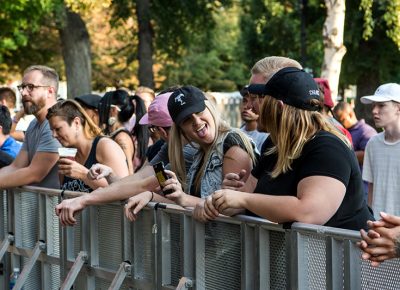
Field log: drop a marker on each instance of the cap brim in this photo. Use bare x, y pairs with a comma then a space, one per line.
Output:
200, 107
375, 99
144, 120
257, 89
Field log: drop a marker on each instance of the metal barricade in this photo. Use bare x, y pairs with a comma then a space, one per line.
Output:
167, 249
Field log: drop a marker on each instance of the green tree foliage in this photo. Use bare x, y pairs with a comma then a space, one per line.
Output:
369, 61
382, 12
272, 27
19, 18
210, 60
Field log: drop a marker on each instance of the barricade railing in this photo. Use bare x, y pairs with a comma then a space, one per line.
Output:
167, 249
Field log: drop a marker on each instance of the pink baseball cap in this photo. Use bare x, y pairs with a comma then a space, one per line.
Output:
157, 114
326, 90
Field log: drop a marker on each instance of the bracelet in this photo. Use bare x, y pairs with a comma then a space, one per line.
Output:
14, 120
152, 196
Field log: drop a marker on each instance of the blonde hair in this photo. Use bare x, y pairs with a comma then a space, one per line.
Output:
290, 129
269, 65
68, 110
178, 139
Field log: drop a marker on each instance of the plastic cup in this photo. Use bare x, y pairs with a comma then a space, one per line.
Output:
67, 153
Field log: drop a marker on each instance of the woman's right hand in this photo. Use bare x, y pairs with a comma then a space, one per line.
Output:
234, 181
177, 195
136, 203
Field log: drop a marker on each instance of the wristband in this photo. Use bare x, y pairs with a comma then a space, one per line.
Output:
152, 195
15, 120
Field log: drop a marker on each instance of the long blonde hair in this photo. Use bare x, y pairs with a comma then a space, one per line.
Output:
178, 138
290, 129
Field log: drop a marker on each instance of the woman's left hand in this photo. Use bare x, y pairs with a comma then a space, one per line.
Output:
226, 198
72, 168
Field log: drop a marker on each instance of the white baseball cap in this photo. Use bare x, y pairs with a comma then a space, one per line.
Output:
384, 93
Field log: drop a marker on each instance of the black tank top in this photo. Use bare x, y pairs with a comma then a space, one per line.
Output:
73, 184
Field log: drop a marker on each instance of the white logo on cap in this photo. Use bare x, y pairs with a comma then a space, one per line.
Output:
314, 92
178, 98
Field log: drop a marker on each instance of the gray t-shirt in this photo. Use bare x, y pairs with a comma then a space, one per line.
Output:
38, 138
188, 154
257, 136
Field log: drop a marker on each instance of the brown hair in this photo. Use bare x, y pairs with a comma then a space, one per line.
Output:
68, 110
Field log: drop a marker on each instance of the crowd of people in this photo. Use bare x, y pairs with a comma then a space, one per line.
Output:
297, 157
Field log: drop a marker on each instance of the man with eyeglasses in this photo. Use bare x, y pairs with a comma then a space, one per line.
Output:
36, 162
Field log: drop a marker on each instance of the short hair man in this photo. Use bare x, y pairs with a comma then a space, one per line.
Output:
36, 162
360, 131
9, 148
249, 118
381, 168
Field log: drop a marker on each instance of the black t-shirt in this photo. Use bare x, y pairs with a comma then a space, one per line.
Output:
324, 155
74, 184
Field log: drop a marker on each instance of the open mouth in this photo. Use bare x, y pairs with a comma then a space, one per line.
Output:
201, 128
202, 131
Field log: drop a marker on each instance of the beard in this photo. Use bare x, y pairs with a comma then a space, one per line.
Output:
33, 108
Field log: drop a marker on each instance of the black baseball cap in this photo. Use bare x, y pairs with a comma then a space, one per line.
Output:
185, 101
90, 100
292, 86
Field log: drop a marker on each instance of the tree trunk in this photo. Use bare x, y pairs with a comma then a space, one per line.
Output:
75, 45
334, 50
145, 51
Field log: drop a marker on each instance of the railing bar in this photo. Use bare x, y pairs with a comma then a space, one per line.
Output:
73, 273
123, 270
5, 244
40, 246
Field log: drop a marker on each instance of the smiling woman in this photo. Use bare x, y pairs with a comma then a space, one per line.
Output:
221, 149
73, 128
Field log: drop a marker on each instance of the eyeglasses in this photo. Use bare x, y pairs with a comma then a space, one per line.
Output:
29, 87
152, 129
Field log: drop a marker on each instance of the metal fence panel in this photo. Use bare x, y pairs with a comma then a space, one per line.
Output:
213, 254
222, 256
386, 276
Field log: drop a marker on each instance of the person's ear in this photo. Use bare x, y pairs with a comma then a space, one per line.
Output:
76, 121
163, 133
